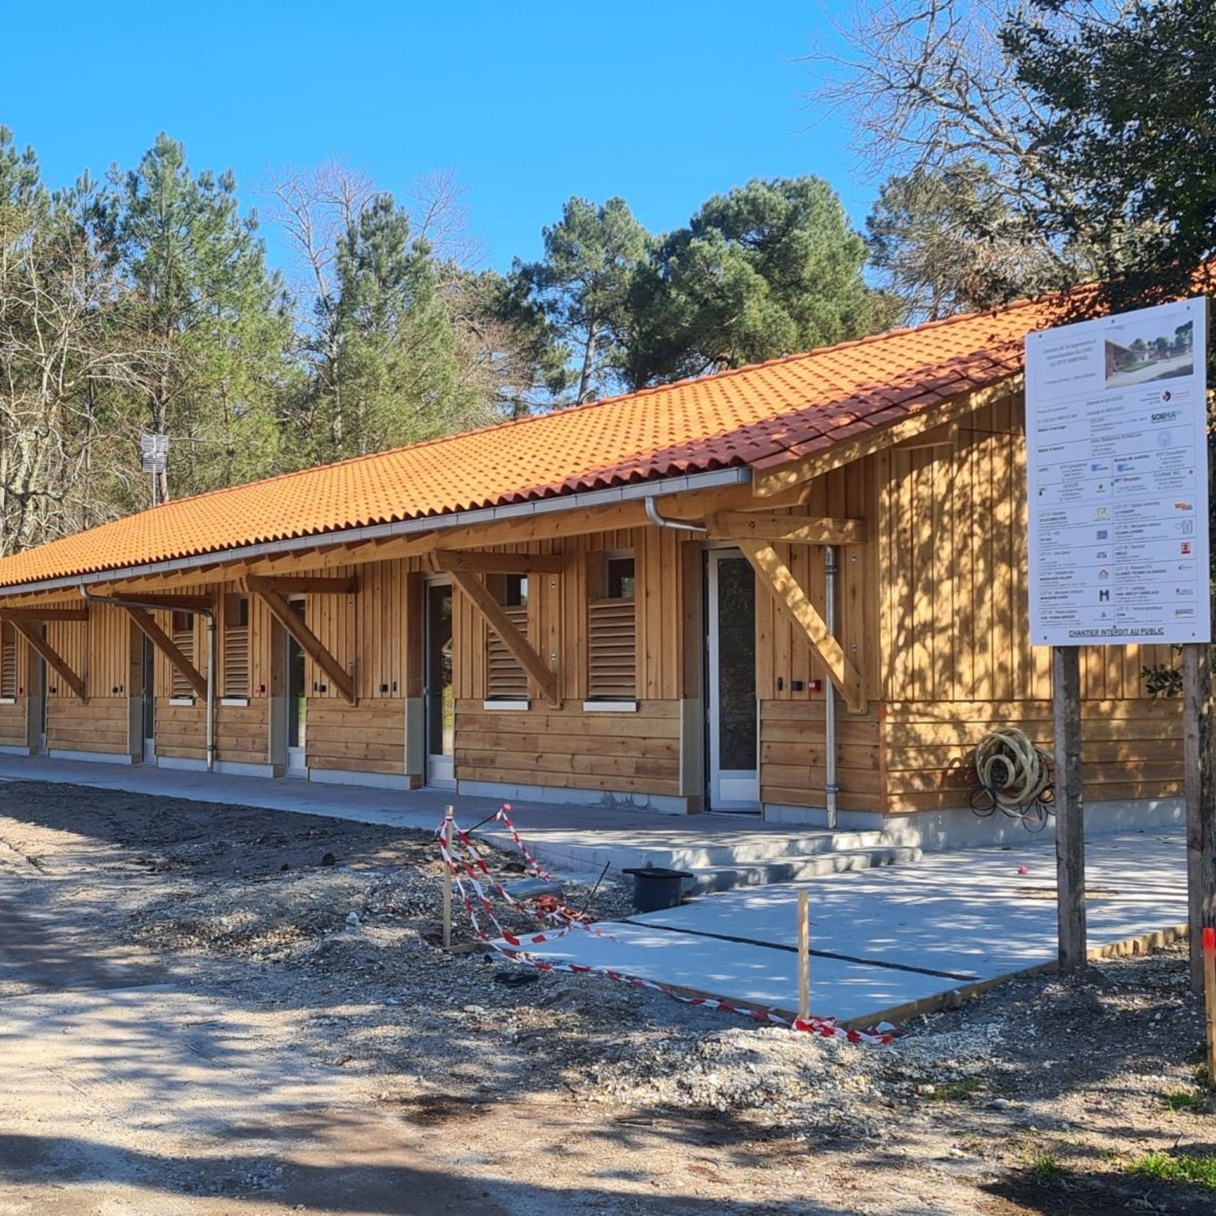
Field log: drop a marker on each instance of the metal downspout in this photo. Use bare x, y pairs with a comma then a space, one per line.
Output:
829, 705
659, 521
209, 613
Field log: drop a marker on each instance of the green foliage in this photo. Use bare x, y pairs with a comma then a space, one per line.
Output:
948, 241
205, 319
1125, 115
769, 269
581, 288
1194, 1170
1186, 1099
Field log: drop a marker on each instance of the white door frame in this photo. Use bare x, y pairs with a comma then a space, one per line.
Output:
440, 766
729, 789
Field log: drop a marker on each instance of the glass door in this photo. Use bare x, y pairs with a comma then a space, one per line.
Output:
147, 699
732, 706
297, 701
439, 694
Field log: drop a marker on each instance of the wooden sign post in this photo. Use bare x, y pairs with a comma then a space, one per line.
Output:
1200, 800
1069, 805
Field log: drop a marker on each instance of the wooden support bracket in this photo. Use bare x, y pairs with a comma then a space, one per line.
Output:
308, 641
494, 616
447, 561
792, 529
145, 622
49, 655
170, 602
792, 599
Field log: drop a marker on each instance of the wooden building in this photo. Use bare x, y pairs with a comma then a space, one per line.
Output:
799, 586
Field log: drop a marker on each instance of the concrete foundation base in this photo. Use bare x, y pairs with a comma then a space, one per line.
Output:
662, 804
91, 757
941, 831
379, 781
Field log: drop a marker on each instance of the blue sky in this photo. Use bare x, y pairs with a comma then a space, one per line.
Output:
528, 101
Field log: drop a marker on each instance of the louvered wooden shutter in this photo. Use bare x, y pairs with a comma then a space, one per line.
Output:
236, 661
8, 661
183, 639
505, 678
612, 653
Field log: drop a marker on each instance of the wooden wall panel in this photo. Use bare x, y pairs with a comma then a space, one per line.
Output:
569, 749
1131, 748
793, 769
99, 726
181, 730
242, 732
70, 641
367, 738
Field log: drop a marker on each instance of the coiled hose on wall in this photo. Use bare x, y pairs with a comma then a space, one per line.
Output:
1013, 775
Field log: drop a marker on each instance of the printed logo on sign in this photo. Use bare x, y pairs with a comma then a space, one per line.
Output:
1165, 416
1184, 547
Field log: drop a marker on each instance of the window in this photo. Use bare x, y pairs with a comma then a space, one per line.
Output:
236, 646
505, 678
183, 639
612, 629
8, 662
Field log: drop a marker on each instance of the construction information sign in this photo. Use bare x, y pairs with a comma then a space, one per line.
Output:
1117, 479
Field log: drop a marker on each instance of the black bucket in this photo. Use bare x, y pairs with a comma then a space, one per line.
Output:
655, 889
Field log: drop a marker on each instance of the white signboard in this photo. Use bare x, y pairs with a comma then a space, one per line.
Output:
1116, 473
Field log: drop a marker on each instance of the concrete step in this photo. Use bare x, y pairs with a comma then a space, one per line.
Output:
709, 879
752, 849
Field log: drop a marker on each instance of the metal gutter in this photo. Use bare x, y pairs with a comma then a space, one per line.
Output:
406, 527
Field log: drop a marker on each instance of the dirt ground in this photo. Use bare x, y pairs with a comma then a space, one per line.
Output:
444, 1084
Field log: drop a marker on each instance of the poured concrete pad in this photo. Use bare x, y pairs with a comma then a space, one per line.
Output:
899, 934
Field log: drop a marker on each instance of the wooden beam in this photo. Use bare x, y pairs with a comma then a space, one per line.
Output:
943, 436
448, 560
301, 584
494, 616
38, 615
173, 603
772, 481
50, 656
145, 622
793, 529
308, 641
793, 601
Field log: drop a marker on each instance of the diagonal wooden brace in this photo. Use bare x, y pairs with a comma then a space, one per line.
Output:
308, 641
779, 580
515, 642
48, 654
145, 622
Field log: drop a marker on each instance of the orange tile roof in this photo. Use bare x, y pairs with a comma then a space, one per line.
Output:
760, 416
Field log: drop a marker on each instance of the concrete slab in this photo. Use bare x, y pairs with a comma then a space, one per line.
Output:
890, 937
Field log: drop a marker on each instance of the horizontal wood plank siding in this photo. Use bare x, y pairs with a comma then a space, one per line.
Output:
99, 726
181, 730
793, 770
1130, 748
367, 738
242, 732
569, 749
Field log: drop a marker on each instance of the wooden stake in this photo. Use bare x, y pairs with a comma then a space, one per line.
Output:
1069, 806
804, 958
1209, 999
1200, 800
447, 880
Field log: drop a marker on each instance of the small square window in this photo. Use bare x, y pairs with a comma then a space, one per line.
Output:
514, 590
618, 578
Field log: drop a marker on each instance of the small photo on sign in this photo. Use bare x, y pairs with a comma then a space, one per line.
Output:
1138, 355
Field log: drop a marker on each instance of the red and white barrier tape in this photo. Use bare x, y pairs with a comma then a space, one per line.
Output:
824, 1027
472, 866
